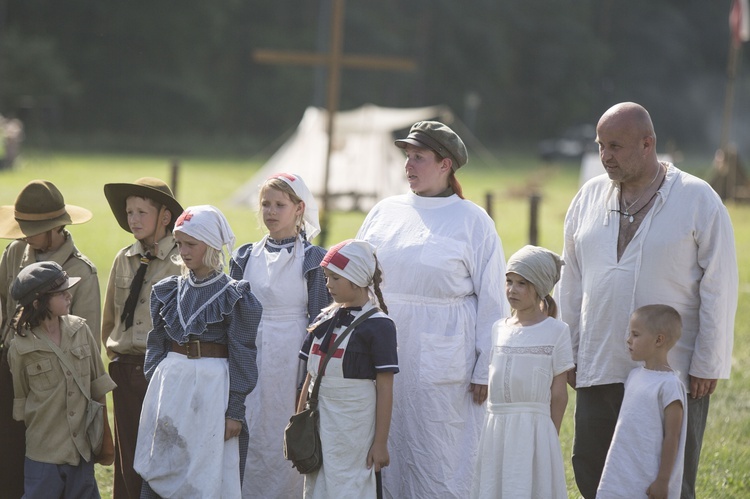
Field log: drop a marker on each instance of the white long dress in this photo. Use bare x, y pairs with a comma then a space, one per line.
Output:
443, 282
278, 282
520, 455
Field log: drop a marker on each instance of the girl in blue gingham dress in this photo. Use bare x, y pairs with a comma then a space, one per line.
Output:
200, 363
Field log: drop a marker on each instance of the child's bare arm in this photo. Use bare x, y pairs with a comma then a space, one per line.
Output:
232, 428
303, 394
672, 430
378, 454
559, 400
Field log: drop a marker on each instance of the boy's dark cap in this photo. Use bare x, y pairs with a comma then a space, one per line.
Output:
438, 137
38, 279
39, 207
146, 187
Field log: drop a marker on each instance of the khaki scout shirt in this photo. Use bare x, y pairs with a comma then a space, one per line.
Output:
86, 298
47, 397
133, 341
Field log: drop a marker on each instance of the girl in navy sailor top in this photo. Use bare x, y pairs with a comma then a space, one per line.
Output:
356, 391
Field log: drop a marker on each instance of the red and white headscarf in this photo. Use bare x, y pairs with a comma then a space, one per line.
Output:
208, 224
310, 218
352, 259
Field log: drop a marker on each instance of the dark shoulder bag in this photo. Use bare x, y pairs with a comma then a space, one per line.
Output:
302, 434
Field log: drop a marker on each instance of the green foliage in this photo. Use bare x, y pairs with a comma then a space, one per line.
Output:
725, 461
151, 69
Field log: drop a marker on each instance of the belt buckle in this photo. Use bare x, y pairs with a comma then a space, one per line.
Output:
191, 354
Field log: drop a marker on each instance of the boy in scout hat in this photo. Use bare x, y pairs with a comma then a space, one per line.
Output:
147, 209
37, 224
49, 345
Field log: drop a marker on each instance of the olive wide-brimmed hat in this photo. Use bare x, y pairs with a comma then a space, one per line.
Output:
145, 187
39, 207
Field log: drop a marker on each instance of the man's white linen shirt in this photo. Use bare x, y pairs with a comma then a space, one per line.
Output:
682, 255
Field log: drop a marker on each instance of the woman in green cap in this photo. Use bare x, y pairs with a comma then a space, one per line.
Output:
445, 271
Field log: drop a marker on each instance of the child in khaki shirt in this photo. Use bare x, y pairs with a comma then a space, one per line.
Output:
148, 210
47, 396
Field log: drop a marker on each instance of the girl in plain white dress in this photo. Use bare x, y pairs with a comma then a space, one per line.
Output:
519, 449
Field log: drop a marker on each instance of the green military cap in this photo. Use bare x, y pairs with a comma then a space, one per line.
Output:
438, 137
38, 279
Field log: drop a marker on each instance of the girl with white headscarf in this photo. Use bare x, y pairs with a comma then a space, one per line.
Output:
519, 449
200, 363
356, 392
284, 272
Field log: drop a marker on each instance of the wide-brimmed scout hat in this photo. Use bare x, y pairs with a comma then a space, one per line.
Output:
146, 187
438, 137
39, 207
39, 279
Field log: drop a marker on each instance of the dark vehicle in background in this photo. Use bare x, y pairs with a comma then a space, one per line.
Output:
571, 144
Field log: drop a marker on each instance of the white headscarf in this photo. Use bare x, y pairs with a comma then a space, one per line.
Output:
352, 259
310, 217
540, 266
207, 224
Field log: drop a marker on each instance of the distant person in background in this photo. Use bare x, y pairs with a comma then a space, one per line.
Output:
645, 233
284, 272
444, 271
37, 223
13, 137
147, 209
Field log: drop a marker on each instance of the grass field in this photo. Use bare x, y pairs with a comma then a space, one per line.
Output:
725, 463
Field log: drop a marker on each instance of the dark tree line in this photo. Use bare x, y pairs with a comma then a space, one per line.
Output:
158, 67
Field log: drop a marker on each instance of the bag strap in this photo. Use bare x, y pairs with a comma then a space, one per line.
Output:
314, 395
61, 356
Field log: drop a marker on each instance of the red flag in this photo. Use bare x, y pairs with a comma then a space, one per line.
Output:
739, 22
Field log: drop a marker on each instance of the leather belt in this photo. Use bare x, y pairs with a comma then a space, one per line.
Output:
198, 349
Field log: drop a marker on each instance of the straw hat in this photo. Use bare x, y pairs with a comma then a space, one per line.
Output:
146, 187
39, 207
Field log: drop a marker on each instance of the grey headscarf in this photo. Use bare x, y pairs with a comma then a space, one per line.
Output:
540, 266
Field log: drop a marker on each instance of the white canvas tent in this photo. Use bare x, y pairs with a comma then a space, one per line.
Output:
365, 165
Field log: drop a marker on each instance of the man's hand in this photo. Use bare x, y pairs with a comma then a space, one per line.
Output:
701, 387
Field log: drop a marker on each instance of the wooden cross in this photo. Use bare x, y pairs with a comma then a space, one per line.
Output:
334, 60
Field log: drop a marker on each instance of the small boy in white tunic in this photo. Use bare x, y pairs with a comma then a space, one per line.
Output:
647, 451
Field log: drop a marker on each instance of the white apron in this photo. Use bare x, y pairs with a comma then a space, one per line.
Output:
347, 428
181, 450
278, 283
